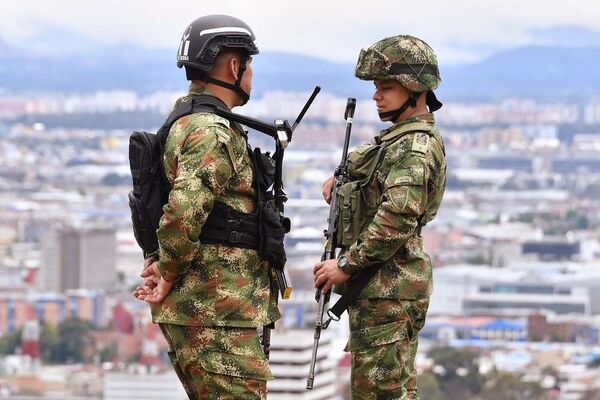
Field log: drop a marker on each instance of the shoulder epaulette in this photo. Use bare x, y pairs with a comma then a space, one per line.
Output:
420, 142
212, 119
223, 137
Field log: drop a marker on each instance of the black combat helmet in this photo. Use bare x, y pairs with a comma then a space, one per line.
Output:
202, 41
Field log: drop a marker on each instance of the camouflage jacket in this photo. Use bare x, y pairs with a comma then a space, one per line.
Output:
408, 186
215, 285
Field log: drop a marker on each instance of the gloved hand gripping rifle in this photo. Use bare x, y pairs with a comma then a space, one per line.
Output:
340, 177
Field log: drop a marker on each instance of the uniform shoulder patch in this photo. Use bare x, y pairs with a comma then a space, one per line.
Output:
222, 173
420, 142
224, 138
220, 127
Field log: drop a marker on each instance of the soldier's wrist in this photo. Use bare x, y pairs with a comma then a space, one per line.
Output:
345, 265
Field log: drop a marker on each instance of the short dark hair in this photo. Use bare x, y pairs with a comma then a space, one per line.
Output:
193, 74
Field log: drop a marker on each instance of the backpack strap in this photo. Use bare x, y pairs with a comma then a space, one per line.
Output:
191, 105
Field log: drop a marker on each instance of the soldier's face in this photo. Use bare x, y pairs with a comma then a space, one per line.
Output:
389, 95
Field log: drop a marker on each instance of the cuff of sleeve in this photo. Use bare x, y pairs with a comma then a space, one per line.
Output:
154, 255
352, 267
165, 273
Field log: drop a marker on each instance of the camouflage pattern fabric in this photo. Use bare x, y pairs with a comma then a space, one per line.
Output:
409, 186
215, 285
404, 58
218, 363
383, 342
386, 319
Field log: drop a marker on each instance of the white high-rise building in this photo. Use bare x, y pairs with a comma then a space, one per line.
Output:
291, 352
74, 259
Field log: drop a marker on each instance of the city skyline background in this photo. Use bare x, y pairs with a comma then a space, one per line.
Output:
515, 246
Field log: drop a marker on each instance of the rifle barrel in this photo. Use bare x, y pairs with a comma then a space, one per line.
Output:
306, 106
330, 245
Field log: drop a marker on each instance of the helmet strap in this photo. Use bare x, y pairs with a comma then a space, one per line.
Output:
245, 96
394, 114
236, 87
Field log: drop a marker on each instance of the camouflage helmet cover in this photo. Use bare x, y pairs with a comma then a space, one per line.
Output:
403, 58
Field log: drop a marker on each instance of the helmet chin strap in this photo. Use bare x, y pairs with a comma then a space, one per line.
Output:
235, 87
394, 114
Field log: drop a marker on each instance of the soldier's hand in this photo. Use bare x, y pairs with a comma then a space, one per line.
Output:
327, 273
155, 288
328, 188
152, 280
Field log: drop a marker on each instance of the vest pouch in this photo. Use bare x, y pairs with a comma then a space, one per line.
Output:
358, 200
273, 227
357, 207
346, 207
361, 161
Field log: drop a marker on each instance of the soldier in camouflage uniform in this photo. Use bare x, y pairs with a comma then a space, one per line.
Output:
407, 189
209, 299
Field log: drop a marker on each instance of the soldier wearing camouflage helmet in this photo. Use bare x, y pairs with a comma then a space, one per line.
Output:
207, 294
402, 192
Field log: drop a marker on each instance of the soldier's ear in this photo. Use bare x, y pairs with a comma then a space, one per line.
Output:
233, 67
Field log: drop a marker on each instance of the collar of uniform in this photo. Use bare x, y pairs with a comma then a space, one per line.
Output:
428, 118
199, 90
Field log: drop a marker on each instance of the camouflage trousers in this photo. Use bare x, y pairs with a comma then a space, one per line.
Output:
218, 362
383, 342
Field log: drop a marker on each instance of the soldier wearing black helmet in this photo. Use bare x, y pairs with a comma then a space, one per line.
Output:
209, 296
208, 36
396, 187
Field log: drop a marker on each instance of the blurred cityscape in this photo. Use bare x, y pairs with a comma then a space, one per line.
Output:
516, 249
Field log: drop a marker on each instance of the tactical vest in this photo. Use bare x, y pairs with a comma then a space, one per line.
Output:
359, 199
263, 230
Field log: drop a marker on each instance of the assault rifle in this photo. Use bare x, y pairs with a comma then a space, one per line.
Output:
340, 177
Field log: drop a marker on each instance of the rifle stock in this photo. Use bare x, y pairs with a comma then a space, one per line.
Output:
340, 177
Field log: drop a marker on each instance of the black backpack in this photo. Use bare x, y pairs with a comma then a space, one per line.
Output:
150, 185
150, 188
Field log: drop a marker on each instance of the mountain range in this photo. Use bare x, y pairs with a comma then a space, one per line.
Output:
64, 62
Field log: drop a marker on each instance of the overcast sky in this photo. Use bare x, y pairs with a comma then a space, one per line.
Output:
459, 30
